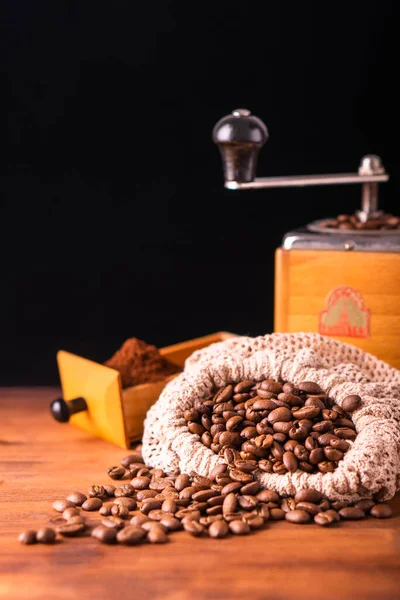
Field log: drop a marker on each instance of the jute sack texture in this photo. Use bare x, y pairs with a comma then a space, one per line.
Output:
371, 465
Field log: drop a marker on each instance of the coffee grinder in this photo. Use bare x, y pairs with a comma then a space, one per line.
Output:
338, 277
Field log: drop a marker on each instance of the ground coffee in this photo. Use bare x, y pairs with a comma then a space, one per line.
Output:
139, 362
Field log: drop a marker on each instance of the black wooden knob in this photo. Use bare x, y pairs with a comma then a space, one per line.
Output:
61, 409
240, 136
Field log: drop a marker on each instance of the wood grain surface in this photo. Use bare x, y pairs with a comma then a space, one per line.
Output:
41, 461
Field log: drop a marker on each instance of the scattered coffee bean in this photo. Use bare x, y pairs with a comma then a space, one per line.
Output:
76, 498
61, 505
218, 529
76, 519
109, 490
70, 512
365, 505
239, 527
96, 491
193, 527
298, 516
351, 403
92, 504
116, 472
130, 535
105, 510
129, 503
119, 510
381, 511
27, 537
326, 518
114, 522
157, 536
71, 529
351, 513
46, 535
106, 535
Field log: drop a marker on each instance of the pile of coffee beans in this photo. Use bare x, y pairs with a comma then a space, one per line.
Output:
383, 221
149, 505
275, 426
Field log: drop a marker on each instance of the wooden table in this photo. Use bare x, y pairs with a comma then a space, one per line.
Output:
41, 461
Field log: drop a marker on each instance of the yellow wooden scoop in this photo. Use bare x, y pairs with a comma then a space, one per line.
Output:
93, 398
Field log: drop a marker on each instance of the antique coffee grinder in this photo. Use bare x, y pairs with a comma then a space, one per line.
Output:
339, 277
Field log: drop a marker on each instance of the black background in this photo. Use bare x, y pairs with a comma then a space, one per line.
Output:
115, 221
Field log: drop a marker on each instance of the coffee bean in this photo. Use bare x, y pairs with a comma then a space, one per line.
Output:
130, 535
149, 505
116, 472
288, 504
157, 536
247, 502
105, 510
126, 490
324, 505
381, 511
61, 505
76, 498
218, 529
333, 453
119, 510
239, 527
135, 457
70, 512
135, 468
106, 535
193, 527
46, 535
326, 466
290, 462
96, 491
365, 505
224, 394
214, 510
310, 387
309, 507
341, 445
298, 516
351, 403
234, 486
182, 482
351, 513
326, 439
243, 386
337, 505
139, 519
345, 433
92, 504
76, 519
113, 521
71, 529
254, 521
279, 414
308, 495
140, 483
171, 523
267, 496
307, 412
251, 488
229, 504
277, 514
240, 476
129, 503
27, 537
326, 518
316, 456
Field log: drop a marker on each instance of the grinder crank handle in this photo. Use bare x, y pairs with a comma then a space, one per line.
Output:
62, 410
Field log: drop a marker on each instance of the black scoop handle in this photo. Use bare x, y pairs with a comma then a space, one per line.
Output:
62, 410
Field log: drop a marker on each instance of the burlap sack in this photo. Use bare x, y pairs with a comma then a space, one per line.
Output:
372, 464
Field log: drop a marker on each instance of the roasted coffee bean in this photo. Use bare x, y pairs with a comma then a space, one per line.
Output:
140, 483
218, 470
251, 488
309, 387
290, 461
308, 495
119, 510
157, 535
76, 519
106, 535
130, 535
265, 466
351, 513
277, 451
230, 503
71, 529
188, 513
191, 414
182, 482
326, 518
200, 480
324, 505
326, 439
139, 519
129, 503
234, 423
126, 490
224, 394
277, 514
365, 505
305, 466
381, 511
196, 428
301, 453
263, 511
214, 510
248, 466
298, 432
27, 537
316, 402
323, 427
306, 412
338, 505
230, 438
288, 504
116, 472
46, 535
169, 506
250, 432
113, 521
290, 388
218, 529
76, 498
271, 386
351, 403
219, 409
70, 512
326, 466
279, 468
149, 505
193, 527
254, 521
298, 516
241, 476
247, 502
110, 491
239, 527
309, 507
346, 423
280, 438
341, 445
61, 505
234, 486
96, 491
279, 414
333, 454
345, 433
243, 386
316, 456
92, 504
267, 496
135, 457
290, 399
